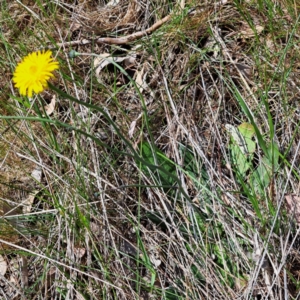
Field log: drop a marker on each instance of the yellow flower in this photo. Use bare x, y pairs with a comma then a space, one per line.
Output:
33, 72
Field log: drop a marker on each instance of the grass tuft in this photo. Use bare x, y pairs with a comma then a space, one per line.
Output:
162, 167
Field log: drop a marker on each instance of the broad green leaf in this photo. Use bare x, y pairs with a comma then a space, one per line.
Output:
241, 146
262, 176
155, 157
247, 131
236, 138
265, 171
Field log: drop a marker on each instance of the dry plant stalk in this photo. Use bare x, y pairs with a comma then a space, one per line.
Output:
117, 41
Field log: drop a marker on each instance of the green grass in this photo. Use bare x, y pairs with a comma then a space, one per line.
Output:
144, 193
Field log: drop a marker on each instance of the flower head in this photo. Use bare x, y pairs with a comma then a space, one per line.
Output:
33, 72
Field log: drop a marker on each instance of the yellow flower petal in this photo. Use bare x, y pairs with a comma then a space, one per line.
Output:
33, 72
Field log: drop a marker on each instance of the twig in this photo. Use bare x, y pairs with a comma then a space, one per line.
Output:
117, 41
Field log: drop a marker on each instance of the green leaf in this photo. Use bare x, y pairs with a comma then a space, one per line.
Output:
241, 147
247, 131
156, 158
265, 171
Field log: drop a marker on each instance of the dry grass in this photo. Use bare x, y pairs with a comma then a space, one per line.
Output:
130, 188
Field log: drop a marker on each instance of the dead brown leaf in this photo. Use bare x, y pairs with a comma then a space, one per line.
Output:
105, 59
27, 203
248, 32
51, 106
293, 206
3, 265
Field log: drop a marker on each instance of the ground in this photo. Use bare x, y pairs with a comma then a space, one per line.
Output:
162, 160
